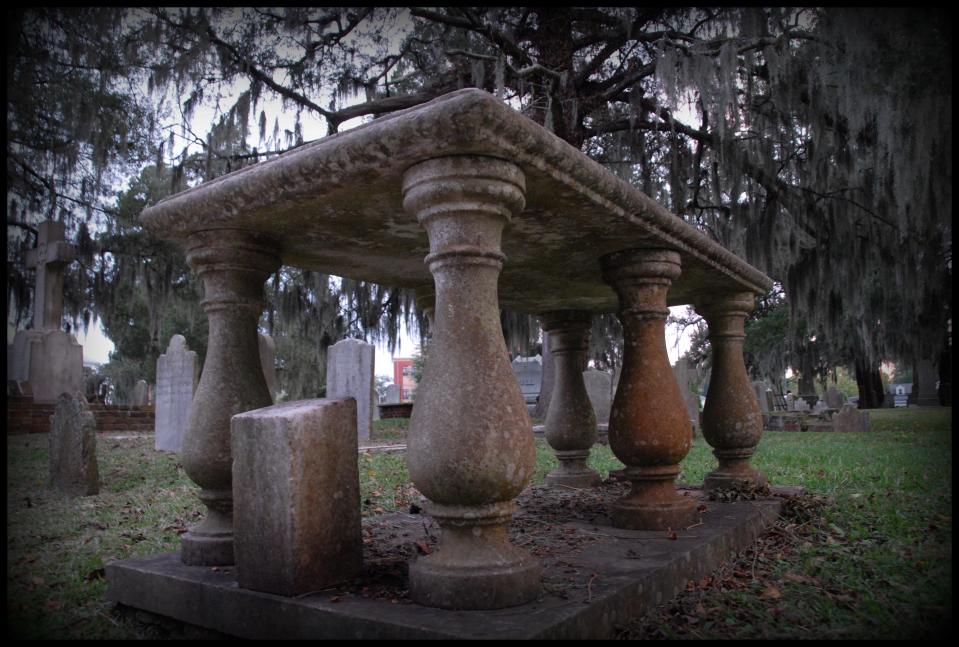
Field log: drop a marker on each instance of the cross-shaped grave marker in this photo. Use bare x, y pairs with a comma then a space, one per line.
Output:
50, 257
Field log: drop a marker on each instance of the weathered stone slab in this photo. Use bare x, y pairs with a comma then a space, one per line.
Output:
335, 205
296, 498
73, 447
177, 374
349, 374
268, 360
599, 386
619, 576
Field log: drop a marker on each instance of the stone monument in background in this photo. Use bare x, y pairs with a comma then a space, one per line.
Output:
599, 387
349, 374
47, 358
178, 373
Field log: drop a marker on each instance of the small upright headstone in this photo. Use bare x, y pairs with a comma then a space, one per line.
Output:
834, 398
800, 405
820, 407
529, 376
268, 361
349, 374
850, 418
73, 447
790, 402
296, 496
141, 394
392, 394
177, 376
599, 386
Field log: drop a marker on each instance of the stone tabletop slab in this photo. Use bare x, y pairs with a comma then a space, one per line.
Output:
335, 206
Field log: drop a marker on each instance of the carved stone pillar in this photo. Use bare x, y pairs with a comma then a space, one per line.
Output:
471, 447
233, 266
570, 421
732, 420
649, 427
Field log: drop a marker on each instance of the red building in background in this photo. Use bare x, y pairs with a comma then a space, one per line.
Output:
403, 377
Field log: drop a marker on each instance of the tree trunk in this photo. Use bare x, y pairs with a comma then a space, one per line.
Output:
546, 386
807, 373
869, 381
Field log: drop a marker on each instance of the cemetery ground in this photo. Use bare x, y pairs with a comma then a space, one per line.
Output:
866, 553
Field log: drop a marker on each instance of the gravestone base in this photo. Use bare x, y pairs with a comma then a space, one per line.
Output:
51, 361
596, 578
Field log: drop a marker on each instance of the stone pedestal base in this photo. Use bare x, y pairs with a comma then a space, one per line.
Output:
210, 543
653, 503
572, 471
475, 567
593, 583
734, 472
50, 360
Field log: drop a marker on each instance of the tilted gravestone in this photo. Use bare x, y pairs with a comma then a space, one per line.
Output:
48, 358
178, 372
73, 447
599, 387
268, 362
834, 398
349, 374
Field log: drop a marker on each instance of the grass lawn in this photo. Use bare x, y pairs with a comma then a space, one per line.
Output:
867, 555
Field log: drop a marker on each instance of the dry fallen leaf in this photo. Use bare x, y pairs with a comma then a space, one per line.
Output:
771, 593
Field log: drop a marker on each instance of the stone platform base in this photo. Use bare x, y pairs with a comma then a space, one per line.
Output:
596, 577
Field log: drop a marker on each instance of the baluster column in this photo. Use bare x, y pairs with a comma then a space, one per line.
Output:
570, 420
649, 427
233, 266
732, 420
471, 447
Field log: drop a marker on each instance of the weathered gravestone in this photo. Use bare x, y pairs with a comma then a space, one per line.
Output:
178, 373
850, 418
599, 387
800, 405
73, 447
392, 394
296, 496
529, 375
349, 374
268, 361
834, 398
49, 359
